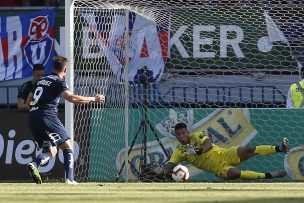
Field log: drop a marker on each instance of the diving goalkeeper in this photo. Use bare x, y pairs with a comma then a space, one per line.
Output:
198, 150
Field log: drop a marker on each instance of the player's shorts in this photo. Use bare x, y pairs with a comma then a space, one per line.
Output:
231, 160
47, 130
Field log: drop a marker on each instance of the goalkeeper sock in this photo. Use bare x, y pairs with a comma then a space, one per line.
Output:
265, 149
68, 164
252, 175
42, 158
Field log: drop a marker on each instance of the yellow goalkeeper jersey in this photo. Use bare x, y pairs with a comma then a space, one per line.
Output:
217, 160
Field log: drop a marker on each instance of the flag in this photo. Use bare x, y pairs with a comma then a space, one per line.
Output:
26, 40
274, 33
143, 49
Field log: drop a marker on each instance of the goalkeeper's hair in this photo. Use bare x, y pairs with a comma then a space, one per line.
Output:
180, 126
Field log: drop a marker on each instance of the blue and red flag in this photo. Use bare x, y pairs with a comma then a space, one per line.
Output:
147, 46
26, 39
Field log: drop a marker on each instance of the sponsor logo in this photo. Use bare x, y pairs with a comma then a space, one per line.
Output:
294, 163
37, 48
24, 151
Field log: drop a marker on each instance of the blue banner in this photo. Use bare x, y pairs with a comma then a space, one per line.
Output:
26, 39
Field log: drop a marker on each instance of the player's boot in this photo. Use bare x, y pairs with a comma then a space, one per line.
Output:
34, 172
71, 182
284, 146
278, 174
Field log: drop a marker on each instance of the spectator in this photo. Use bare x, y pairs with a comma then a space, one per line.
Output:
296, 94
38, 72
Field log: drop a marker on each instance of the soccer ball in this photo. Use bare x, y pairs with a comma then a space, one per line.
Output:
180, 173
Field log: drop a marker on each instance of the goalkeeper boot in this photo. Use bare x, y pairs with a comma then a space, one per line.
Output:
284, 146
34, 172
71, 182
278, 174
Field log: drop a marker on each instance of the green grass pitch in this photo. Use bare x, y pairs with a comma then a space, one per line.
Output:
153, 192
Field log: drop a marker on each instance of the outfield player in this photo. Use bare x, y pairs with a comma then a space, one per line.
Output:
25, 89
48, 131
198, 150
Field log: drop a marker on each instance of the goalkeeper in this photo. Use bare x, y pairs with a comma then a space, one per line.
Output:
198, 150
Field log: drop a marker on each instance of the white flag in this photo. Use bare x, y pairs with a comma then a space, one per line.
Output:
274, 33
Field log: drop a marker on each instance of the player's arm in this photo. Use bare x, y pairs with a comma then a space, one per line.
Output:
176, 158
206, 145
168, 167
21, 104
22, 97
77, 99
28, 100
164, 169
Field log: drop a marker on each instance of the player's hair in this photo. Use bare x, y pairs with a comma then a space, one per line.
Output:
180, 126
59, 63
38, 66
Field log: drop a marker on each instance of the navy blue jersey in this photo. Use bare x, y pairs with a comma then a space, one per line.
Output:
25, 90
46, 95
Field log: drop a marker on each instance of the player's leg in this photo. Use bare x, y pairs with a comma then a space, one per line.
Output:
62, 140
38, 129
246, 152
229, 171
68, 160
46, 154
41, 159
234, 173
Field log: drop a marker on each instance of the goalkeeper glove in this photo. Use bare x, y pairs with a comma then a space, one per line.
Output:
189, 150
158, 169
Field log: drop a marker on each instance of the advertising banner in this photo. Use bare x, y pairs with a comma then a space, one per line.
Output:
226, 127
17, 148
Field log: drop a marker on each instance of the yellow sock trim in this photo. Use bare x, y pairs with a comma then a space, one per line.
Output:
265, 150
252, 175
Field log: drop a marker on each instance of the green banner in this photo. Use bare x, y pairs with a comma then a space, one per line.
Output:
205, 38
253, 127
226, 37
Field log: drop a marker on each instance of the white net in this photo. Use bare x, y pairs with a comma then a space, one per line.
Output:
180, 56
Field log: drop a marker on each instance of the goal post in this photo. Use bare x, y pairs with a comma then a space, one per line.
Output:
69, 45
223, 67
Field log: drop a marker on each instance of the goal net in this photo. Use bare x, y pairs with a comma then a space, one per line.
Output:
161, 62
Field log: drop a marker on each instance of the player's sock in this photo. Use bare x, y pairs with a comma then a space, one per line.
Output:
68, 164
265, 149
252, 175
42, 158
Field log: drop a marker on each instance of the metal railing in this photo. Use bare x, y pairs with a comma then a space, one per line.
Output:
195, 96
6, 95
203, 95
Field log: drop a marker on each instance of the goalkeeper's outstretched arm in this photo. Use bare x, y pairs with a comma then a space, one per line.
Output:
164, 169
168, 168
